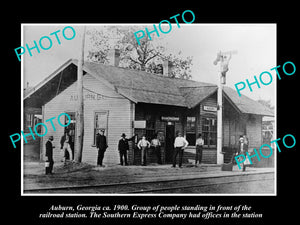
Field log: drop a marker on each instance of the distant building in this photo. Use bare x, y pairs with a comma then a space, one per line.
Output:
268, 125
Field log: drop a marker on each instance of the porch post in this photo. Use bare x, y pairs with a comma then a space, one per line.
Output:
220, 156
80, 106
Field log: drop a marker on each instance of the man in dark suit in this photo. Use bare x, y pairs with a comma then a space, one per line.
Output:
101, 144
123, 147
49, 155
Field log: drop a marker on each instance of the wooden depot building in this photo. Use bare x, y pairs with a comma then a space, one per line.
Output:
121, 100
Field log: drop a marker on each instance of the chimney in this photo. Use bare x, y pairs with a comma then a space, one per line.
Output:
114, 57
167, 67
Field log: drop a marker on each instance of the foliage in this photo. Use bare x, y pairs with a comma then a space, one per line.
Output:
266, 103
149, 56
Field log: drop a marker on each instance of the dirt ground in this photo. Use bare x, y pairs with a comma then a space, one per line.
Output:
78, 174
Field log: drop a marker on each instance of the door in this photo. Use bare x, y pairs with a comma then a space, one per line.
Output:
71, 129
170, 137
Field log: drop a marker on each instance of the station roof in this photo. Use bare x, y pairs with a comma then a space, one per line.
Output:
139, 86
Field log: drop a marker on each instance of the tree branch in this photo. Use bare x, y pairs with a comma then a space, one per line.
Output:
135, 61
153, 56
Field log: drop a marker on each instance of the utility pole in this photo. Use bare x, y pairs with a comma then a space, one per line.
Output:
220, 155
80, 109
224, 61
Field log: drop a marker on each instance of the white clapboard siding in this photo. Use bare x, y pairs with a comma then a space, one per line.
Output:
119, 118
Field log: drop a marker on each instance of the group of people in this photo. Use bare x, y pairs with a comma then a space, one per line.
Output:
143, 145
66, 148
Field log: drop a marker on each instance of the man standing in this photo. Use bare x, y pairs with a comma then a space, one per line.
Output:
49, 156
123, 147
199, 149
65, 146
242, 149
156, 145
143, 145
180, 144
101, 144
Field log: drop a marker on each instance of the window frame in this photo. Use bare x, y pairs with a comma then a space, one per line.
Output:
209, 132
192, 131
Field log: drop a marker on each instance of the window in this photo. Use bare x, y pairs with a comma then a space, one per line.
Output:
191, 130
150, 126
101, 120
209, 131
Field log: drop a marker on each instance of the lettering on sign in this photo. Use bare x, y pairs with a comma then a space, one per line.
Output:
210, 108
170, 118
92, 97
140, 124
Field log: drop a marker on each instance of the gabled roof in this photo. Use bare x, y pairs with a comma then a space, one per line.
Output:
146, 87
194, 95
247, 105
140, 86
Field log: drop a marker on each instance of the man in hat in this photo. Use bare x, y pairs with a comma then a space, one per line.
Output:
123, 147
101, 144
65, 146
49, 156
242, 149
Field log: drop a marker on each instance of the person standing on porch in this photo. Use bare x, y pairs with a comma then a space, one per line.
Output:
65, 146
199, 149
180, 144
143, 145
242, 149
101, 144
156, 145
123, 147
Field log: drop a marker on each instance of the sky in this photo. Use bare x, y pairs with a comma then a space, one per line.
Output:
255, 45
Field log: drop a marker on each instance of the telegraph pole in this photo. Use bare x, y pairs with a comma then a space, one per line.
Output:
80, 109
224, 61
220, 155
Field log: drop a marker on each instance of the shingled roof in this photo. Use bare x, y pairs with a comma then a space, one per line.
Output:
150, 88
140, 86
247, 105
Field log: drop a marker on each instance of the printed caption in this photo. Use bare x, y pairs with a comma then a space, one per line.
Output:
140, 212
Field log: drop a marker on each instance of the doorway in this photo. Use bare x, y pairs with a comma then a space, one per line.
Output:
170, 137
70, 129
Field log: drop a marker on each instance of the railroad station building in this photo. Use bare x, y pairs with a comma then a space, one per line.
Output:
121, 100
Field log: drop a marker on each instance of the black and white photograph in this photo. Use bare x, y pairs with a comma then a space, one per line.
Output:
132, 114
144, 109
